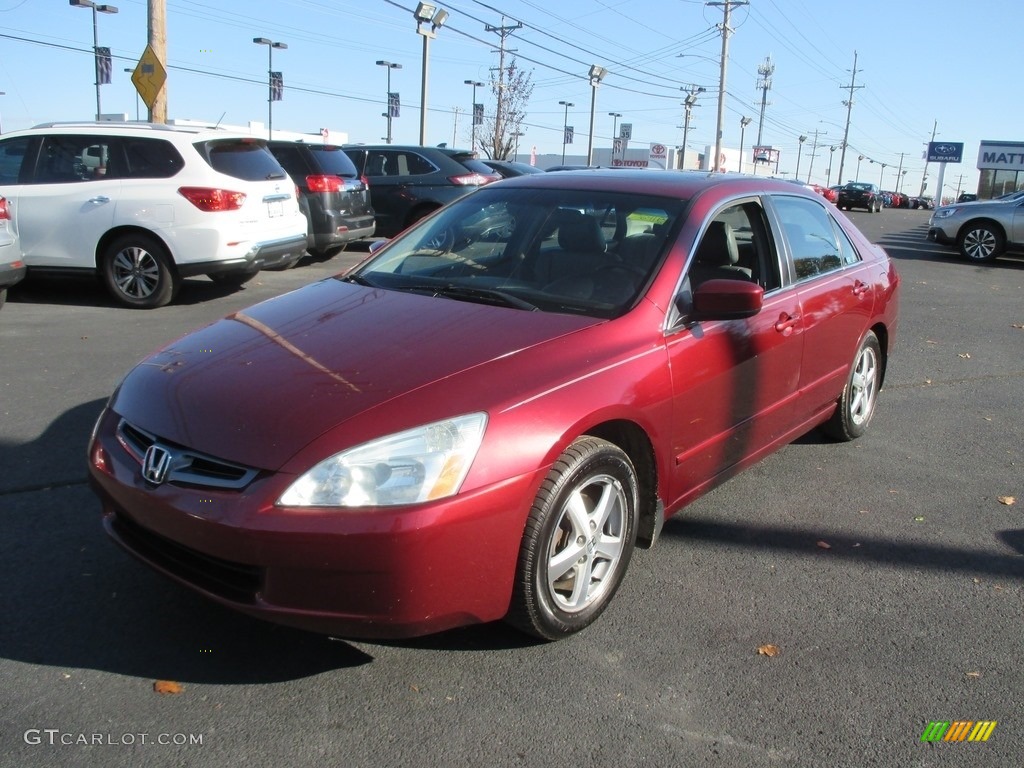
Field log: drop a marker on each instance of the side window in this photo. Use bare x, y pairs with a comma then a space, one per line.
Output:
12, 155
381, 164
411, 164
735, 246
150, 159
68, 159
811, 236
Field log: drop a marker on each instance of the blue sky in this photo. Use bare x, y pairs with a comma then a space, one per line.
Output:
919, 62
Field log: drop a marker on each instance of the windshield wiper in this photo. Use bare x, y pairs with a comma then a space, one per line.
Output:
472, 293
358, 280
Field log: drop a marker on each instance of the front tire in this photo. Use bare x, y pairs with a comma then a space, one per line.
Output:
137, 271
856, 405
578, 541
981, 242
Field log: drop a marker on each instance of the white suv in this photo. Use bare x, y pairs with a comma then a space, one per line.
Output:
146, 205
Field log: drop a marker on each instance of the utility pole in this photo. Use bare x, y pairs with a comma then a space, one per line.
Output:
502, 33
849, 107
765, 72
924, 176
157, 13
727, 7
814, 153
689, 104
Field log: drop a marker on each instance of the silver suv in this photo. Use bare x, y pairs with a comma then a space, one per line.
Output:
983, 229
145, 206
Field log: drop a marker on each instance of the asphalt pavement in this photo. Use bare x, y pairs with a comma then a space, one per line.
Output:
887, 573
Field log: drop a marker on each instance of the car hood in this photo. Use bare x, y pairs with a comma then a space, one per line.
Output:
261, 384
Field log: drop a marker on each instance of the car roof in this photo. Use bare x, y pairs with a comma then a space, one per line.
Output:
680, 184
108, 128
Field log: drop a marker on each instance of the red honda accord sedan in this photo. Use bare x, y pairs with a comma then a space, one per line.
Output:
485, 419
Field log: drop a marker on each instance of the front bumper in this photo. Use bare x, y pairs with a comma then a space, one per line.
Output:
359, 573
938, 235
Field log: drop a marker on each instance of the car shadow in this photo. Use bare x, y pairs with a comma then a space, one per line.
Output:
804, 541
87, 291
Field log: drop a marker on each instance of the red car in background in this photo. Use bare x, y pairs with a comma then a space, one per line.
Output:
829, 193
486, 418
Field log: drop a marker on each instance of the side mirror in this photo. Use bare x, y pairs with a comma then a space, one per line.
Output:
376, 245
723, 299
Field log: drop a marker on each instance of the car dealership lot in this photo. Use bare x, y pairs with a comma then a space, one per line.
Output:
887, 572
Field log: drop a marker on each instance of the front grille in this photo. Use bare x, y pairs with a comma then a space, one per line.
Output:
186, 467
231, 581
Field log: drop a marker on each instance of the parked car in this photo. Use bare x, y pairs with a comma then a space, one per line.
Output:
146, 205
12, 266
509, 168
410, 182
859, 194
829, 193
334, 197
528, 383
966, 197
982, 230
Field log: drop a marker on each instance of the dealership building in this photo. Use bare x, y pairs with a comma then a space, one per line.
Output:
1001, 164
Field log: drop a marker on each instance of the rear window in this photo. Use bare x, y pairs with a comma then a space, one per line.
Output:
12, 152
245, 159
476, 166
334, 161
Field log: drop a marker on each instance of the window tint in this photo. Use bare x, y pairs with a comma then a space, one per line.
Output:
291, 158
246, 159
150, 159
473, 164
811, 236
12, 153
411, 164
69, 159
735, 246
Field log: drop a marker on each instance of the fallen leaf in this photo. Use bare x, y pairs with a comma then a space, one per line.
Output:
977, 581
824, 545
927, 381
1007, 500
769, 650
987, 418
965, 355
167, 687
415, 688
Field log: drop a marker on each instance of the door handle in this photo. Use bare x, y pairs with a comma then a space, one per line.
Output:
786, 322
860, 288
99, 199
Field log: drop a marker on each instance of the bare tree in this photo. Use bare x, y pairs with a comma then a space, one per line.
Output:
499, 132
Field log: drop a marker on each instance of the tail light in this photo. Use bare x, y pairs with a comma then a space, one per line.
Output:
324, 183
472, 179
211, 199
5, 212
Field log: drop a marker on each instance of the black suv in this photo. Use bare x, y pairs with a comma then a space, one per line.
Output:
859, 194
334, 198
408, 182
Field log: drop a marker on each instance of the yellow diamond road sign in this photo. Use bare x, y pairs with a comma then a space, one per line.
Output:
149, 76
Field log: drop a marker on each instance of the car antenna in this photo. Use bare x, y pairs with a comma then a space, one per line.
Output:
215, 127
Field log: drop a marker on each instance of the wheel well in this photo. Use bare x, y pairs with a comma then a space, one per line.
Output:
991, 223
882, 333
117, 232
633, 440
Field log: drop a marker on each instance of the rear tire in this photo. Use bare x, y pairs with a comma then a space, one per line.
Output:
137, 271
856, 405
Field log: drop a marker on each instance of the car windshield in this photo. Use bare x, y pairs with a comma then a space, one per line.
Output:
549, 250
858, 187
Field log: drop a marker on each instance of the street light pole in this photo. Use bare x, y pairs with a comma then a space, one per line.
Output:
129, 69
565, 125
828, 174
436, 17
596, 76
744, 122
387, 113
271, 45
95, 40
689, 103
615, 123
799, 151
472, 120
859, 158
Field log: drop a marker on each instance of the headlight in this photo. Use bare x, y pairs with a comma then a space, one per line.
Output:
944, 213
421, 464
